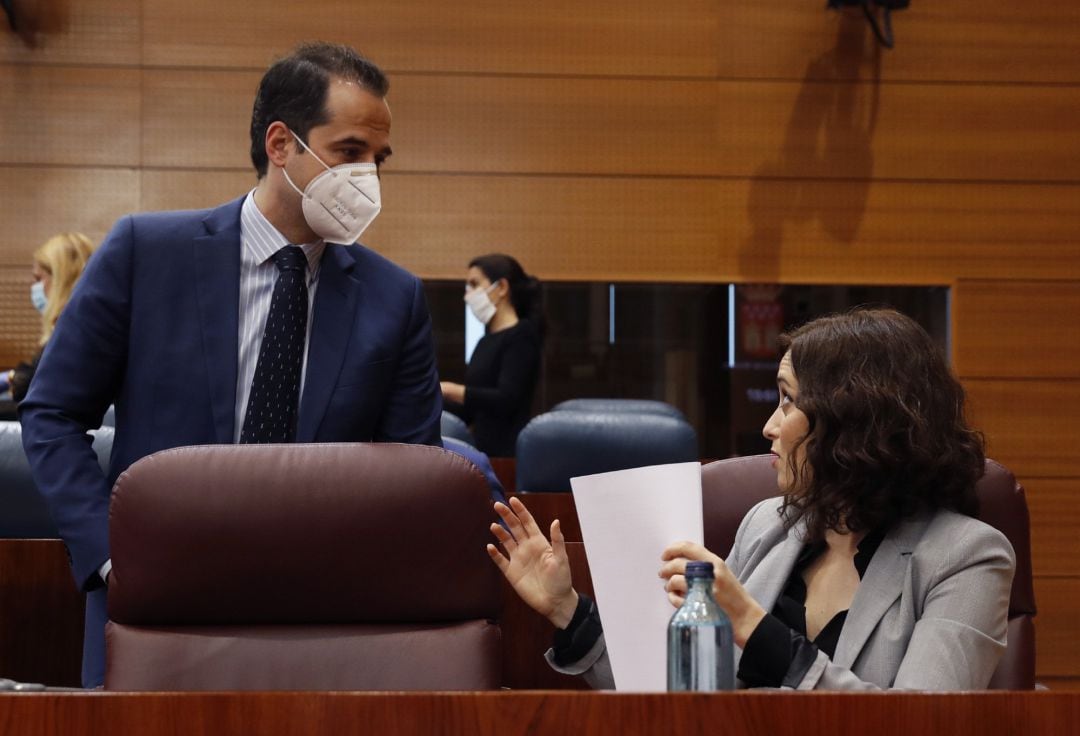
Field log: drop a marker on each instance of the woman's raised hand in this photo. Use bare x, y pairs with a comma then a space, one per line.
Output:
538, 571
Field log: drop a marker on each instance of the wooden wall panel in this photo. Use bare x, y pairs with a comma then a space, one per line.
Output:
999, 316
663, 128
98, 32
1055, 519
956, 41
629, 37
38, 202
20, 324
1057, 646
1027, 428
963, 40
69, 116
702, 230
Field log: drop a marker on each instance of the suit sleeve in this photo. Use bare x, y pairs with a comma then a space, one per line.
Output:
414, 407
960, 635
77, 378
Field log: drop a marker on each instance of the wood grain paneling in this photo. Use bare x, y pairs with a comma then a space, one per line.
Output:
1028, 426
20, 324
1017, 329
964, 40
819, 130
69, 116
626, 229
191, 190
1057, 646
99, 32
957, 41
631, 37
41, 616
1055, 521
716, 231
38, 202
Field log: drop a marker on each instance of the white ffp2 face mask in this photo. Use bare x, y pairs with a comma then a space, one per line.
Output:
342, 201
480, 303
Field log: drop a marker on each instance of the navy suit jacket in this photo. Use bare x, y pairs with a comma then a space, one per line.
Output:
152, 328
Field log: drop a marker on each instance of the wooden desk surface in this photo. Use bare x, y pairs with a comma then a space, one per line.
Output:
539, 712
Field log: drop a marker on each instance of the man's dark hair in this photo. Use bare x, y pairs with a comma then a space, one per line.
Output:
888, 438
294, 91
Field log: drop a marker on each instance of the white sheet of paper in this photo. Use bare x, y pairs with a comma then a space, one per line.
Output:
628, 517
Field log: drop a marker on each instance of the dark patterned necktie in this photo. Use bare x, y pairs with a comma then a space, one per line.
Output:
275, 389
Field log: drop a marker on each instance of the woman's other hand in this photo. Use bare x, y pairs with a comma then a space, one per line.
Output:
741, 608
452, 391
537, 570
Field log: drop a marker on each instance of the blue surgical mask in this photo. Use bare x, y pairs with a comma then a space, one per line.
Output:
37, 296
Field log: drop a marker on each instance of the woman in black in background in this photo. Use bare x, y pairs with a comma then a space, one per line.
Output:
496, 398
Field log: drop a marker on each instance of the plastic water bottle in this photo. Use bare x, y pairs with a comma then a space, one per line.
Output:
701, 655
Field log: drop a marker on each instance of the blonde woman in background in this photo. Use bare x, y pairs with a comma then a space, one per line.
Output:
58, 263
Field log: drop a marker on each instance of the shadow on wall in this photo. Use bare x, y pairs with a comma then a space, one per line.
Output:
33, 19
828, 136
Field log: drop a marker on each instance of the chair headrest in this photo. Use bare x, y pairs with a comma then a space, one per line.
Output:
324, 533
557, 446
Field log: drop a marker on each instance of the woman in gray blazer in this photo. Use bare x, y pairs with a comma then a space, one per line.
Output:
868, 571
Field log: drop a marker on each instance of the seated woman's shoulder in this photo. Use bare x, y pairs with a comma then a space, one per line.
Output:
963, 537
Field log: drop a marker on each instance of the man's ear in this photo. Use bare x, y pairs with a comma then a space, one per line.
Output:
278, 141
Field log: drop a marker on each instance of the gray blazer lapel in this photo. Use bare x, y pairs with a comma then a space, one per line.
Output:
769, 576
880, 587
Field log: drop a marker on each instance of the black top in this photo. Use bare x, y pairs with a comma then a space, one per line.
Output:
499, 385
777, 654
23, 373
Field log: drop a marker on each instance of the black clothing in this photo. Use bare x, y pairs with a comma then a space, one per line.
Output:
778, 654
20, 379
499, 385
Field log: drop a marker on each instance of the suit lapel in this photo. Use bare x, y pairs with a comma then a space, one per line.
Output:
880, 587
217, 283
770, 576
331, 328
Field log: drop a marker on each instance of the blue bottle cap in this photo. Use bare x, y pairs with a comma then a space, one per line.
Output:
697, 570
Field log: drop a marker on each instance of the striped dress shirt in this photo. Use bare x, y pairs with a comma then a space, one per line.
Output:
259, 240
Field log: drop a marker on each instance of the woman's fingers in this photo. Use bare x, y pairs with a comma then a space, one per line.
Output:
508, 515
673, 567
689, 550
498, 558
676, 600
676, 584
505, 538
558, 541
526, 518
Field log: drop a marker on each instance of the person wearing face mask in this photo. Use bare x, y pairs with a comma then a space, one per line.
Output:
260, 320
58, 263
868, 571
496, 398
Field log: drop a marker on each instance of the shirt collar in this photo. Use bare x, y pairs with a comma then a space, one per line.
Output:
262, 240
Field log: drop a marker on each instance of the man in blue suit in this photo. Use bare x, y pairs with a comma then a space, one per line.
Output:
177, 318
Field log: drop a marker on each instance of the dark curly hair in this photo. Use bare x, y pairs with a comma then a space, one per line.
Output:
887, 437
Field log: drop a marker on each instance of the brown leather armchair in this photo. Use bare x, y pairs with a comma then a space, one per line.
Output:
731, 487
312, 567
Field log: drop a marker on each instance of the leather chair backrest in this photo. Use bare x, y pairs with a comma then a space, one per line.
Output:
632, 406
451, 425
730, 488
313, 567
23, 511
557, 446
